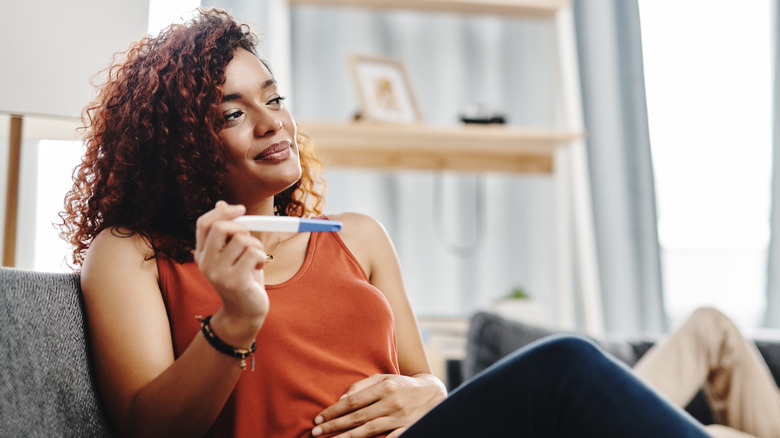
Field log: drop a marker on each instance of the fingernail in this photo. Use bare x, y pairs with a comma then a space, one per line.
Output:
343, 396
316, 431
318, 419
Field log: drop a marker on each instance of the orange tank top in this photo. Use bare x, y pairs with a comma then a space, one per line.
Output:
327, 328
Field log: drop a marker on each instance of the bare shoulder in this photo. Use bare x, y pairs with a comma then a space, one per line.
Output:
117, 252
119, 276
367, 239
124, 240
119, 281
358, 225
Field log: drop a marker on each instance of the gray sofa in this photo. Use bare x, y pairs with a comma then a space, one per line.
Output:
46, 385
491, 337
47, 388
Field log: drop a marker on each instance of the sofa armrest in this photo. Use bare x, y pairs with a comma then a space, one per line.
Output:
46, 387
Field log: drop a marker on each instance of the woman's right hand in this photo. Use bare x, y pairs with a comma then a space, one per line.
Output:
232, 260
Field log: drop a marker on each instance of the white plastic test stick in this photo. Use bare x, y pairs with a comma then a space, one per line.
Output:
288, 224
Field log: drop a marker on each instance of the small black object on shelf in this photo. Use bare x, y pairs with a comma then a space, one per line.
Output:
480, 114
500, 120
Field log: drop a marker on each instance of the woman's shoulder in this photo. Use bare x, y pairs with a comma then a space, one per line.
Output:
359, 226
352, 217
366, 238
122, 239
117, 249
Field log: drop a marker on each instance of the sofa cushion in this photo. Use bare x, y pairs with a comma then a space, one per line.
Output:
769, 346
491, 337
46, 387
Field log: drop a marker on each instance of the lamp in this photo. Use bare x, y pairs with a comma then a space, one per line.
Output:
50, 51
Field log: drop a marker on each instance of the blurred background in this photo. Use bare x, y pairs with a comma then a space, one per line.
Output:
677, 106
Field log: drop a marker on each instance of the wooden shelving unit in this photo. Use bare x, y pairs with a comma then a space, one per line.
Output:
558, 151
459, 148
463, 148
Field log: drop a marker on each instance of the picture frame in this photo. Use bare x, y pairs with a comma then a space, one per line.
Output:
384, 89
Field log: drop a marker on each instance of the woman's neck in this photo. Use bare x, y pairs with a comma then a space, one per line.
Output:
264, 207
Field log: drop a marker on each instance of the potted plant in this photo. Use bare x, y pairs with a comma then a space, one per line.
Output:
518, 305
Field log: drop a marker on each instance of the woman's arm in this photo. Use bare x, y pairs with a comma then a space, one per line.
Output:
146, 392
384, 402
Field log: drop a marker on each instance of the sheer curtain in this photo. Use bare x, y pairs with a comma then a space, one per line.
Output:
612, 75
465, 240
772, 318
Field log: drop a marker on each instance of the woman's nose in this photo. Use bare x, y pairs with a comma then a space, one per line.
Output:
265, 129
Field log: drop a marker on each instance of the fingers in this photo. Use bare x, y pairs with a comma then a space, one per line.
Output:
221, 212
369, 429
224, 236
385, 403
364, 412
396, 433
353, 399
217, 234
232, 260
241, 253
363, 384
360, 424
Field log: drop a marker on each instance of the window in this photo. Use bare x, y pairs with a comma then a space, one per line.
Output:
709, 90
56, 161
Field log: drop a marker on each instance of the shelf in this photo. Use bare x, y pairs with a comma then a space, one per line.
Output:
524, 8
43, 128
462, 148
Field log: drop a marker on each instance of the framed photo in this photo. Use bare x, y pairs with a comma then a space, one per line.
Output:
384, 89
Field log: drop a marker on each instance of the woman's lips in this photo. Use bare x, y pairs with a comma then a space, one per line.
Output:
276, 152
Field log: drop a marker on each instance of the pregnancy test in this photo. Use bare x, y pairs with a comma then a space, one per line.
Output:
287, 224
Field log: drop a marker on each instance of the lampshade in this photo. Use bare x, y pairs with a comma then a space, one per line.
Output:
51, 49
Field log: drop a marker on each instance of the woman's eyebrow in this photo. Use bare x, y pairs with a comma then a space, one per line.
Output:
236, 96
231, 96
268, 83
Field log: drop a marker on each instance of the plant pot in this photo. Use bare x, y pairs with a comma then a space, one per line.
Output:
522, 310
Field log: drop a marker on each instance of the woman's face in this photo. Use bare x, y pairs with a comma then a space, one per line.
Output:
259, 132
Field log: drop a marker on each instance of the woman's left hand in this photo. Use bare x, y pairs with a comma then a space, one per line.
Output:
380, 403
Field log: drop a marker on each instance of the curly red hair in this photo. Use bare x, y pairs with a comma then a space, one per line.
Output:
154, 159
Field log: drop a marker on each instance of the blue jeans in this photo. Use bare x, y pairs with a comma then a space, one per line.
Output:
562, 386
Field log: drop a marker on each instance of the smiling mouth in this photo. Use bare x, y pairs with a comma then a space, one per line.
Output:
275, 152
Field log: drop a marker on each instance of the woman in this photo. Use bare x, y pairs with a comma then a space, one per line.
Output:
190, 132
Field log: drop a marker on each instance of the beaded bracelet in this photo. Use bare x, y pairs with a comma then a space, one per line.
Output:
222, 347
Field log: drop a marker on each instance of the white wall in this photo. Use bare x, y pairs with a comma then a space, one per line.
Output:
52, 48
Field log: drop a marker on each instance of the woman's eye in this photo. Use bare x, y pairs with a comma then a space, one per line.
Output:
276, 102
233, 115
